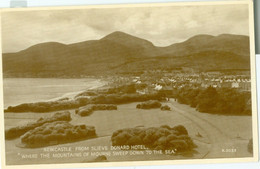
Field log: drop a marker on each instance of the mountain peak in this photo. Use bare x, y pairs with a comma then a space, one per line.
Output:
47, 45
233, 37
118, 35
128, 40
200, 37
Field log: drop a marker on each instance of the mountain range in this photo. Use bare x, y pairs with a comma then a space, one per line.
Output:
119, 52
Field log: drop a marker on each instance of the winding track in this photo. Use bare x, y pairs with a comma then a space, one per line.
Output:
218, 139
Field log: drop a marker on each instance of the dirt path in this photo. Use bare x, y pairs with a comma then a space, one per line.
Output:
222, 145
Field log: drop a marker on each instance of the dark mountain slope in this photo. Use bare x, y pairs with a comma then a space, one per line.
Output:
121, 52
237, 44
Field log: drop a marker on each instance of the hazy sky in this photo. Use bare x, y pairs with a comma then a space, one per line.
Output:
160, 25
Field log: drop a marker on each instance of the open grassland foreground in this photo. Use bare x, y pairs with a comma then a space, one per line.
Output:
216, 136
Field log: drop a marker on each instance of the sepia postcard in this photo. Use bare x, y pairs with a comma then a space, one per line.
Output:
132, 84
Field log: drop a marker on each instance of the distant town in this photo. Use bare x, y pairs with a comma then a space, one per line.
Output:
167, 81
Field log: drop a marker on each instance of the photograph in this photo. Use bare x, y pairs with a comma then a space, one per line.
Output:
120, 85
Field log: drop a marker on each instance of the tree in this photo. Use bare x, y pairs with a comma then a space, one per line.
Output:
207, 99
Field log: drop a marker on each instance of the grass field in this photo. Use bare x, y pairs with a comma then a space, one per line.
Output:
127, 116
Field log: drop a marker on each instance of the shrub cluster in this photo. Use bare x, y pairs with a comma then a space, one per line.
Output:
48, 106
125, 98
82, 101
87, 93
20, 130
123, 89
159, 138
57, 133
217, 101
151, 104
89, 109
128, 88
165, 108
104, 107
